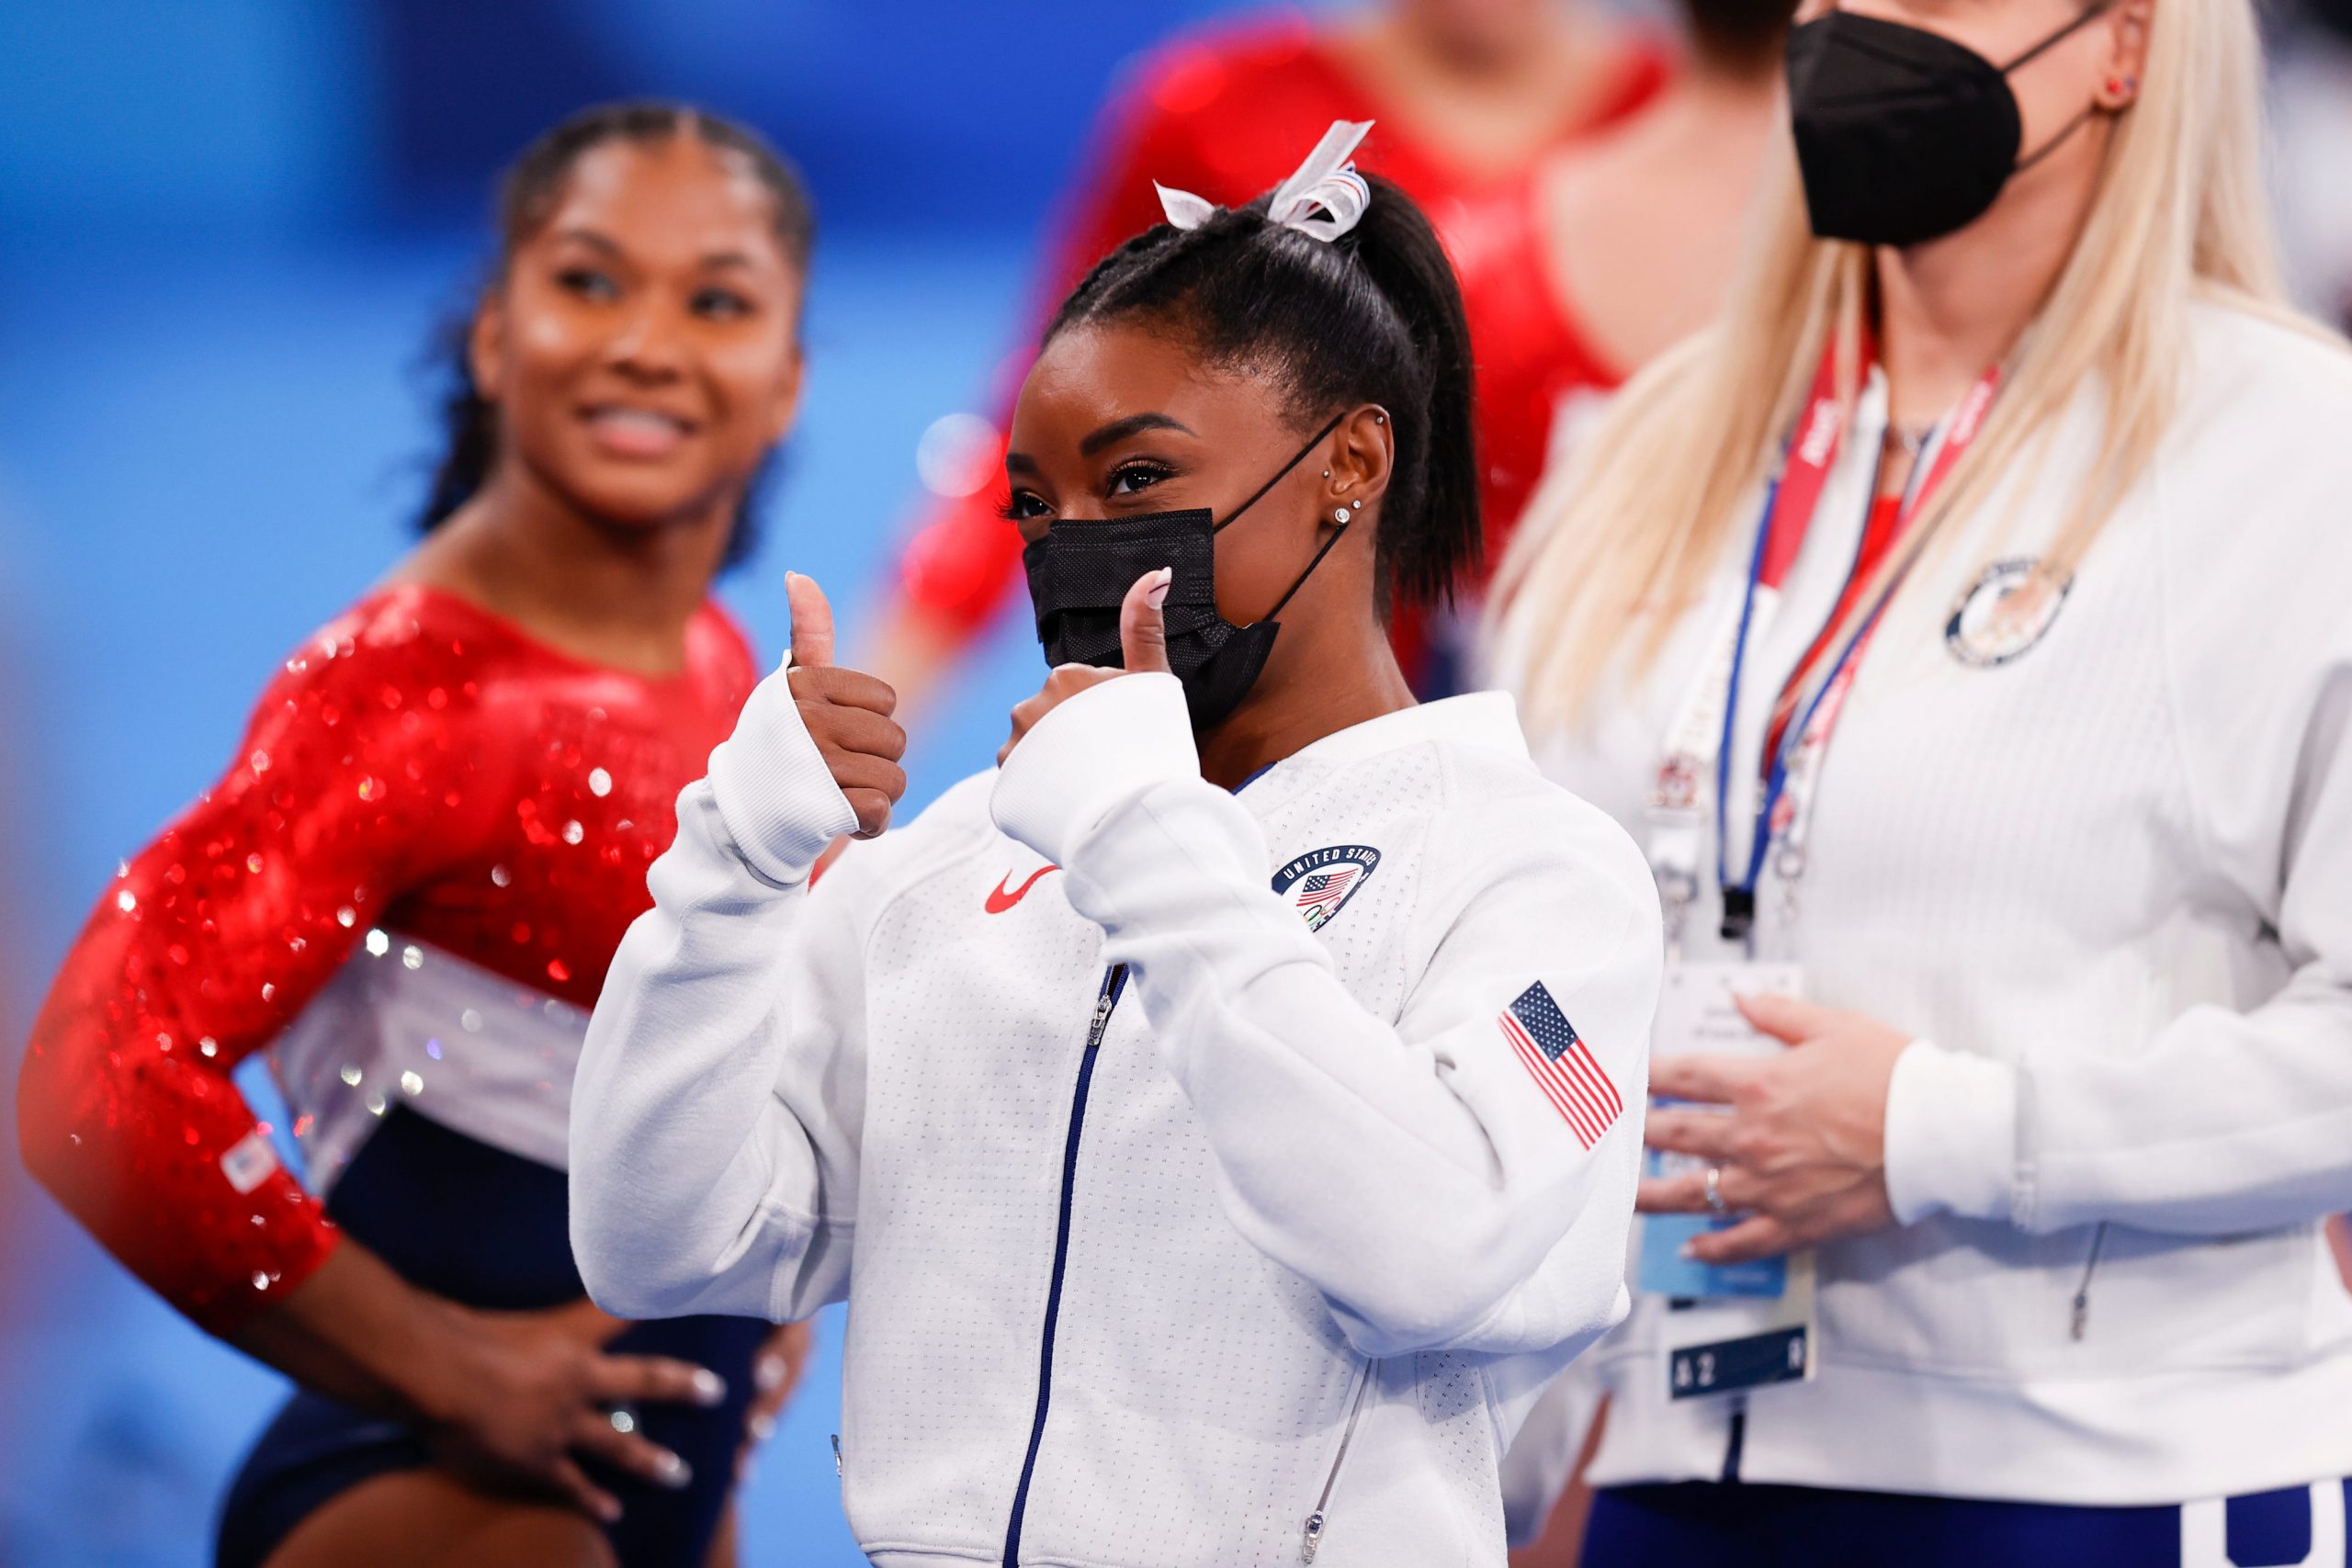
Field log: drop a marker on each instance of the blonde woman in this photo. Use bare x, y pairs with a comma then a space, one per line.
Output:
1963, 626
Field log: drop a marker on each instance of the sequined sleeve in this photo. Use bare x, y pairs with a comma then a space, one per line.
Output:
356, 773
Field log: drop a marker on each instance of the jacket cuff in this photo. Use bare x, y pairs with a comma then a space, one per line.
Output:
1951, 1135
773, 789
1104, 746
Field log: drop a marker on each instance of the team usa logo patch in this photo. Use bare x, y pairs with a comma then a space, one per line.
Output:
1564, 1069
1320, 882
2004, 613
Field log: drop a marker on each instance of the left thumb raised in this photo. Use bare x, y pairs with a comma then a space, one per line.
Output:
1143, 631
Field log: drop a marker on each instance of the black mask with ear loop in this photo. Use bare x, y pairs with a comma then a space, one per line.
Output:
1080, 571
1904, 135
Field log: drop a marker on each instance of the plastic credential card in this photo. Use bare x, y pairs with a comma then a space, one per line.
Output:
1729, 1327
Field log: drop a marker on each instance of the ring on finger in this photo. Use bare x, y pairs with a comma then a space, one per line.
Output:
1716, 1203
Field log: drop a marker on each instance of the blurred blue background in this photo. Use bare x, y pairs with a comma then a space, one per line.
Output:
227, 230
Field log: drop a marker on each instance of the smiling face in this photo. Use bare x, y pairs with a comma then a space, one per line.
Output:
642, 347
1116, 419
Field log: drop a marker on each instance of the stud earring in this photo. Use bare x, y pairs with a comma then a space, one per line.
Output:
1326, 473
1339, 515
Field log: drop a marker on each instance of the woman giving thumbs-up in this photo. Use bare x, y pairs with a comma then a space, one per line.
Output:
1216, 1113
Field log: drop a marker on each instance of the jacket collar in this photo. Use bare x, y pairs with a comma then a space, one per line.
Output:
1488, 720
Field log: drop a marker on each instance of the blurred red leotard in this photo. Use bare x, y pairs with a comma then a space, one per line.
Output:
420, 777
1226, 114
1534, 357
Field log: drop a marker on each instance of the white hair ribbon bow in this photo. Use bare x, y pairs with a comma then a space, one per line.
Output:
1323, 198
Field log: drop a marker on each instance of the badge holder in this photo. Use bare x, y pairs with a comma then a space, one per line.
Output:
1728, 1327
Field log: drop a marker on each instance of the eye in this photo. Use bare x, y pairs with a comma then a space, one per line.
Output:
721, 305
1021, 505
1129, 478
588, 283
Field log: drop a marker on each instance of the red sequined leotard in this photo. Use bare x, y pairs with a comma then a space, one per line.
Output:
1227, 114
421, 785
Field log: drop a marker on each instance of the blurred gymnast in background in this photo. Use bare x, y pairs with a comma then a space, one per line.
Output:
411, 879
1606, 253
1468, 95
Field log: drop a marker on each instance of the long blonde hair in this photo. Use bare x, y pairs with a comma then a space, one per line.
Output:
1632, 528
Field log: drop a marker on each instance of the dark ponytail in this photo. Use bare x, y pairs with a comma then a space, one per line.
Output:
527, 194
1373, 317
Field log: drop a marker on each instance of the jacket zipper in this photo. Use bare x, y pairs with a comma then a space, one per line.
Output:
1311, 1537
1114, 982
2082, 1309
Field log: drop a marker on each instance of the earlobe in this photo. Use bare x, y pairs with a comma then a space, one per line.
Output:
1365, 459
485, 356
2121, 85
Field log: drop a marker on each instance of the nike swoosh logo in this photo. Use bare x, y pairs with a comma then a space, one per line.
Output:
1000, 900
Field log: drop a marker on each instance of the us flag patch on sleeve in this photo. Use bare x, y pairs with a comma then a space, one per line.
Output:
1564, 1069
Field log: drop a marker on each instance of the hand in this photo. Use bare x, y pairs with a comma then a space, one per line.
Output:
1803, 1150
523, 1392
847, 713
1143, 641
775, 1372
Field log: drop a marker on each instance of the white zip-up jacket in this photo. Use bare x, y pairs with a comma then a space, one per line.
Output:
1193, 1204
2103, 869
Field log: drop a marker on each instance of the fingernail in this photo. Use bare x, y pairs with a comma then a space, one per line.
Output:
1157, 595
768, 1373
1688, 1252
762, 1427
609, 1510
676, 1473
709, 1387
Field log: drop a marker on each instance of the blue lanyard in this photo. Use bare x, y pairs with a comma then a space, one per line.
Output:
1739, 897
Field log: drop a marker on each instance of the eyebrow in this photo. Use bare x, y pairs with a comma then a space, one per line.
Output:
590, 237
1116, 431
1134, 425
612, 247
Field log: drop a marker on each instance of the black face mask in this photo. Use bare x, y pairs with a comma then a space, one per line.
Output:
1080, 571
1903, 135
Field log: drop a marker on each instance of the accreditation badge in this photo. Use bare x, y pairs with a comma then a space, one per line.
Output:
1728, 1327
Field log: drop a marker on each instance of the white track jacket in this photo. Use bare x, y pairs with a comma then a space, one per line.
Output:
1196, 1201
2103, 870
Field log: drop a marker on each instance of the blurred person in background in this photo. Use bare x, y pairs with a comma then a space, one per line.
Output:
411, 881
2311, 135
2007, 1009
1606, 253
1467, 95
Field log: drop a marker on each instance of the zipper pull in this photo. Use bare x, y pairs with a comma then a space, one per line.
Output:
1313, 1537
837, 1453
2082, 1309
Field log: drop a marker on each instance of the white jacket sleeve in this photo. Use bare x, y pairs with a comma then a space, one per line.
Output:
2230, 1121
716, 1114
1416, 1174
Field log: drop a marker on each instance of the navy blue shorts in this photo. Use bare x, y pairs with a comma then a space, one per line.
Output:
487, 1229
1703, 1524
